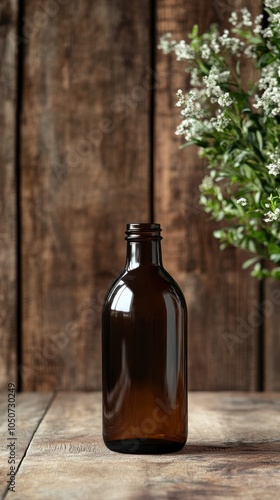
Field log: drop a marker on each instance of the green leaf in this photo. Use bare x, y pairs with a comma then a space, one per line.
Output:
275, 257
259, 139
249, 262
203, 200
252, 246
218, 234
223, 246
202, 67
194, 32
196, 142
275, 273
259, 236
248, 172
257, 197
273, 248
257, 267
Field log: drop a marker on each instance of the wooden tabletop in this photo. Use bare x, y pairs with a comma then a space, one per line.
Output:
232, 451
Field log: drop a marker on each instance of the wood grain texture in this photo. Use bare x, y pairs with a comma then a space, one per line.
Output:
30, 409
85, 174
232, 452
223, 345
8, 104
270, 308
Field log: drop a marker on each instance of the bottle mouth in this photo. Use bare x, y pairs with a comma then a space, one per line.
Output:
143, 231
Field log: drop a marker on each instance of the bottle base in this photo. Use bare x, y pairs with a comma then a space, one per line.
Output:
144, 446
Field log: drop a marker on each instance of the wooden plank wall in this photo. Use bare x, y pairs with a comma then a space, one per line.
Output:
8, 195
98, 150
85, 171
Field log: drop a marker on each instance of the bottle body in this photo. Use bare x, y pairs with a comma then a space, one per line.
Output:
144, 346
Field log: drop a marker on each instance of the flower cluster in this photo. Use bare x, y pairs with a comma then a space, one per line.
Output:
237, 128
274, 167
269, 85
271, 216
242, 202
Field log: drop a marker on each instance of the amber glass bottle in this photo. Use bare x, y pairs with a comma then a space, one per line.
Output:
144, 347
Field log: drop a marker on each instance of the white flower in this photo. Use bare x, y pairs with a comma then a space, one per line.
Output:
274, 18
225, 100
272, 4
224, 35
194, 80
274, 21
181, 98
220, 121
274, 166
215, 75
258, 24
190, 105
205, 51
214, 43
234, 44
269, 101
183, 51
267, 32
250, 51
166, 44
272, 216
207, 183
233, 18
213, 89
190, 128
242, 201
275, 155
246, 17
274, 169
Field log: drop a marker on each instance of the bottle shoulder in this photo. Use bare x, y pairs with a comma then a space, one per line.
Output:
149, 281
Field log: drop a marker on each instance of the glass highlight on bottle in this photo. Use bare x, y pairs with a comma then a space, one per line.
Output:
144, 352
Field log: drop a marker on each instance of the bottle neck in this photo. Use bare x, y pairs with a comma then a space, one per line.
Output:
143, 245
143, 253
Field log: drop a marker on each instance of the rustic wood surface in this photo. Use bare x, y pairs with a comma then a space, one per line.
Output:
232, 452
30, 409
8, 208
224, 348
85, 173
